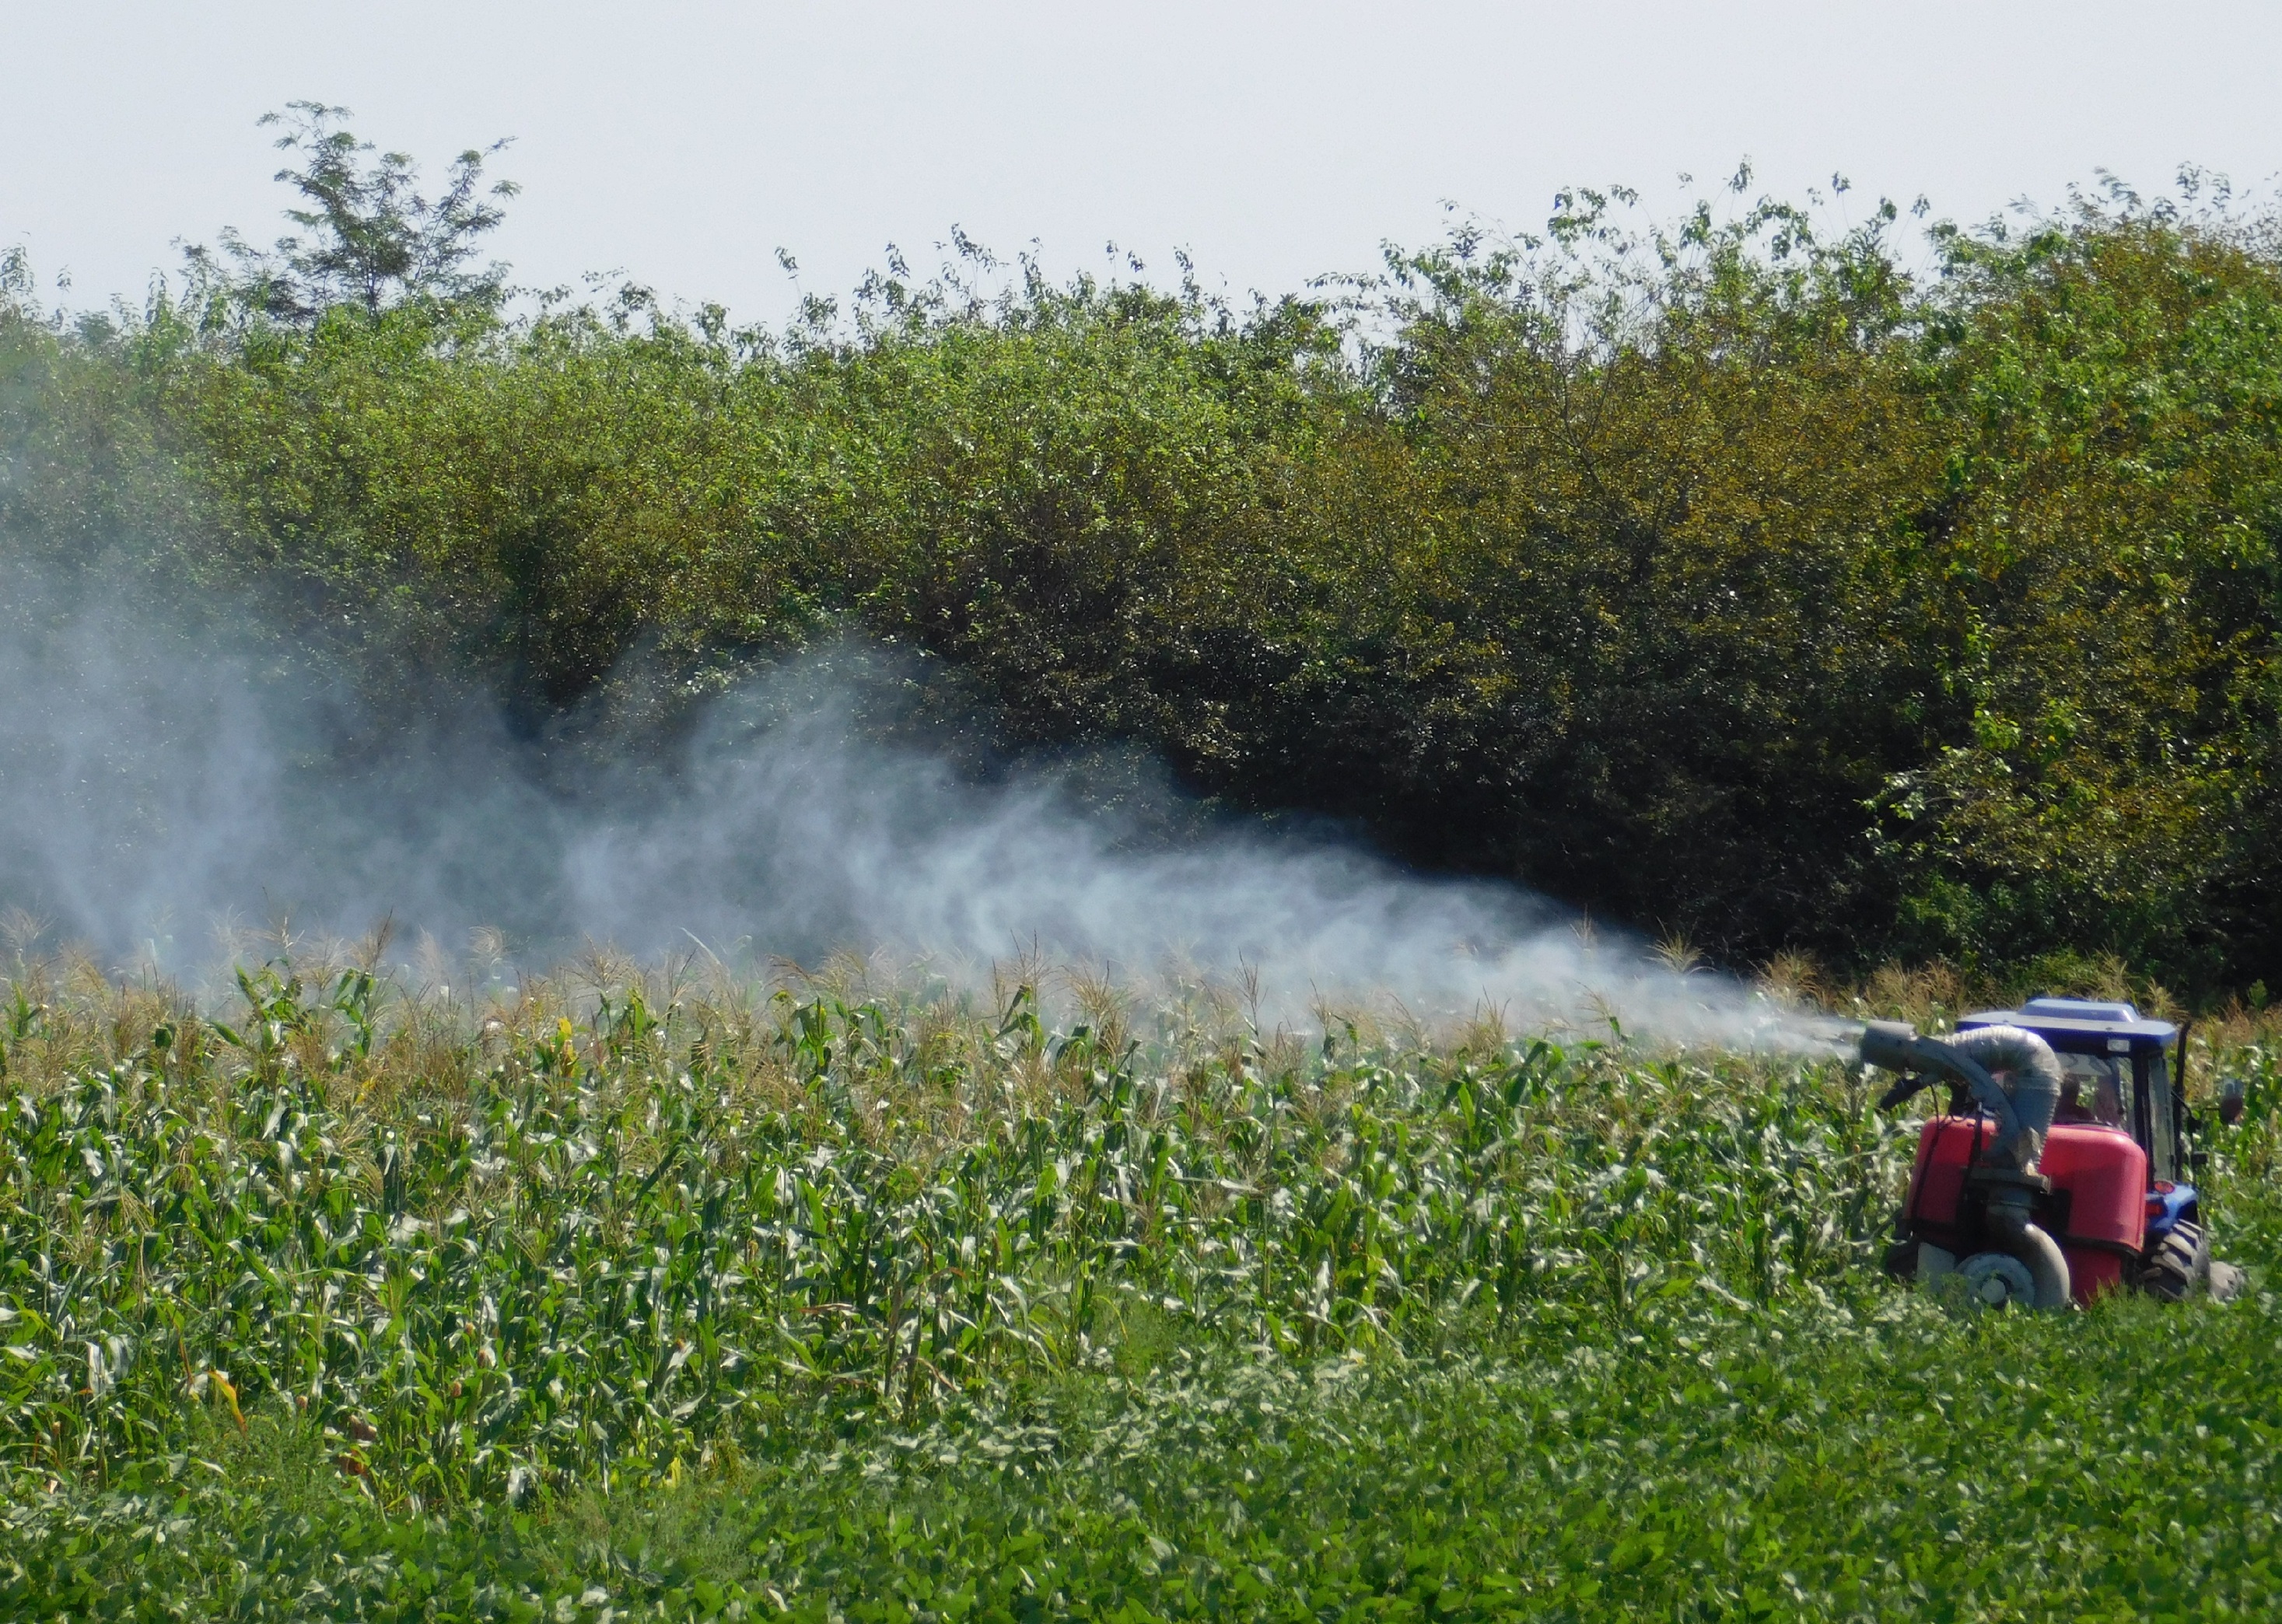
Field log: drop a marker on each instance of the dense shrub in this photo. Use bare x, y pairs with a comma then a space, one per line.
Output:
1728, 580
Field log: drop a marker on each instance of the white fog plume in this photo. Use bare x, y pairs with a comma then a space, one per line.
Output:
152, 784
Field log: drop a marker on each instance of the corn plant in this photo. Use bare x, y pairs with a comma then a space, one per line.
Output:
583, 1248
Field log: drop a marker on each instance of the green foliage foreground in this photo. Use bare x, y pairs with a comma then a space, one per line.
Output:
713, 1301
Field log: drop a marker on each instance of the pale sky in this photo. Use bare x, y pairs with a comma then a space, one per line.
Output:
683, 143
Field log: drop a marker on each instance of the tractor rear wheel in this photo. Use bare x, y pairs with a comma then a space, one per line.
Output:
2177, 1265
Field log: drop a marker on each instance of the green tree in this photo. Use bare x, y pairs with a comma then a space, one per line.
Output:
369, 238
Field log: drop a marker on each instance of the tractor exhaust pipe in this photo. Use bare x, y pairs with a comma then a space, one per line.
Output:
2022, 1106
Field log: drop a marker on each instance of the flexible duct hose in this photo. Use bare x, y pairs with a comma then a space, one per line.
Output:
2010, 1228
2023, 1110
2034, 1089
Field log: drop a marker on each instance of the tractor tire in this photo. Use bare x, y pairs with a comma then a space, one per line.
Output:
2177, 1265
1901, 1260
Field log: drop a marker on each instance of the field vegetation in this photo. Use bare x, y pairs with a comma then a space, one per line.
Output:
681, 1295
1777, 584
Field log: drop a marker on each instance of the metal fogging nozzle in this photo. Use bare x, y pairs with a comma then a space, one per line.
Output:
1890, 1044
1894, 1046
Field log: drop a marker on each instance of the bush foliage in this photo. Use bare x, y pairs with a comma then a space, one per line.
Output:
1729, 579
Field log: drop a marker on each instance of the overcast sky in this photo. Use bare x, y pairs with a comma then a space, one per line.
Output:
683, 143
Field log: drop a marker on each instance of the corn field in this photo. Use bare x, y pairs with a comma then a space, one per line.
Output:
502, 1251
617, 1294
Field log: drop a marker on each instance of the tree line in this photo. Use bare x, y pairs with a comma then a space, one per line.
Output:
1869, 592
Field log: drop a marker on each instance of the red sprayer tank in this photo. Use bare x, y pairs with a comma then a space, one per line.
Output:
2097, 1210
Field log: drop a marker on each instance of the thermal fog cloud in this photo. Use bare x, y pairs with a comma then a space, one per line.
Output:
153, 783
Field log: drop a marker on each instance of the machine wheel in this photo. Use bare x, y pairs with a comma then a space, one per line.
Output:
2176, 1266
1902, 1260
1997, 1280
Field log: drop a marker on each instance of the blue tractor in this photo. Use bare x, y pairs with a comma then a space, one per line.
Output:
2061, 1167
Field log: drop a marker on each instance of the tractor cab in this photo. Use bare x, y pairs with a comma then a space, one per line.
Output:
2117, 1067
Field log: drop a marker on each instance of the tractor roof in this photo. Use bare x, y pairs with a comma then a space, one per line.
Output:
2077, 1018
